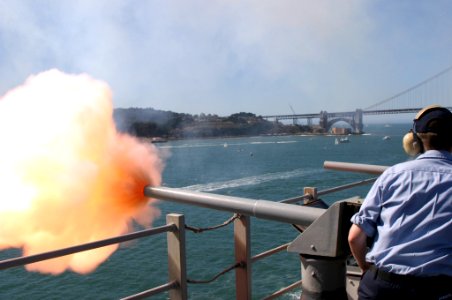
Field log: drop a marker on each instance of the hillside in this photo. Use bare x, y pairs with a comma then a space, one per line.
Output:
148, 122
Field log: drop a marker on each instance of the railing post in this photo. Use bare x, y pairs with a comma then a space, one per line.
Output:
177, 269
242, 254
311, 191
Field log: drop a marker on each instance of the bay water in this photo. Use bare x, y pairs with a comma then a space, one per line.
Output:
267, 168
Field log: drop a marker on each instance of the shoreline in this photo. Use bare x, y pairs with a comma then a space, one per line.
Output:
159, 140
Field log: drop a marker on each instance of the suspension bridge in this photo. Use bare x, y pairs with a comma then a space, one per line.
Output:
436, 89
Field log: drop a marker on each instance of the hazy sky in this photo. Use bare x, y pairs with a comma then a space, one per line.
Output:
228, 56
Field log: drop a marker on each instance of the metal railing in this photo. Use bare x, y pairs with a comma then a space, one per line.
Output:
174, 228
20, 261
281, 211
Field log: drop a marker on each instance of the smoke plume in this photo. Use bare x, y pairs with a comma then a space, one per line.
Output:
66, 175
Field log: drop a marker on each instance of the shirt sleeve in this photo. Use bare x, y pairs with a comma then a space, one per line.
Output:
369, 212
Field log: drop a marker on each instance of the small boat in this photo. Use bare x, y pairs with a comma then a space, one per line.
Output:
386, 137
158, 140
341, 140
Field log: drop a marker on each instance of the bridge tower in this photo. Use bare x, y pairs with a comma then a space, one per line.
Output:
354, 119
358, 121
323, 122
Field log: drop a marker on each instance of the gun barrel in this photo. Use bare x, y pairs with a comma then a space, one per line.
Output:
354, 167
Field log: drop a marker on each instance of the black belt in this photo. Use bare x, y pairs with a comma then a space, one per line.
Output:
398, 278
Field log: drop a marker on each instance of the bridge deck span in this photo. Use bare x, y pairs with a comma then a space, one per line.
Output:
353, 118
349, 113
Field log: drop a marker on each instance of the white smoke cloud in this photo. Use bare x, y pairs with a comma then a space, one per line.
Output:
227, 56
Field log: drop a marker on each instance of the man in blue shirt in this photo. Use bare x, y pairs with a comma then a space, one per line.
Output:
408, 215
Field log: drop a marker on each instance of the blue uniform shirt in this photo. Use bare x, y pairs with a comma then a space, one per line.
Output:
408, 212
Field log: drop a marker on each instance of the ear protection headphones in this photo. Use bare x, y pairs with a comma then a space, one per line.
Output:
412, 144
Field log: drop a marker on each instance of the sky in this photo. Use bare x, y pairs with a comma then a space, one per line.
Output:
228, 56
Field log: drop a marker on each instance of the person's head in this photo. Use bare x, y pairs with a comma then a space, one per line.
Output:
432, 130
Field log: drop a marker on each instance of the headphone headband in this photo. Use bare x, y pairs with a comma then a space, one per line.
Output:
430, 113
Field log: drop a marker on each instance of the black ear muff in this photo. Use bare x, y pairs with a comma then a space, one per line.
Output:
412, 144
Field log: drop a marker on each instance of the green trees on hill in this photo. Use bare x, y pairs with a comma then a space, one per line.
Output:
148, 122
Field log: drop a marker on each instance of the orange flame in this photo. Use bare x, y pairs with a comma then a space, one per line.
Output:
66, 175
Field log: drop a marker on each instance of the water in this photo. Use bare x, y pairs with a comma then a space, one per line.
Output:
269, 168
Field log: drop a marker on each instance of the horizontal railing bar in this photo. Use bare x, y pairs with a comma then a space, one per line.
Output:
346, 186
24, 260
270, 210
154, 291
354, 167
342, 166
296, 199
329, 191
283, 290
269, 252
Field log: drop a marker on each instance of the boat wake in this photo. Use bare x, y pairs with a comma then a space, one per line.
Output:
222, 144
251, 180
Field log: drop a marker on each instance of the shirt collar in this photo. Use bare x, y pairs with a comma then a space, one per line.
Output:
441, 154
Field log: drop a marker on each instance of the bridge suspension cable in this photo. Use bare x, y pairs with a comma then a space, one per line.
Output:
436, 89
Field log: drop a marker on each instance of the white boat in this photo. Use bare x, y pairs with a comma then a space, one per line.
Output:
341, 140
158, 140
